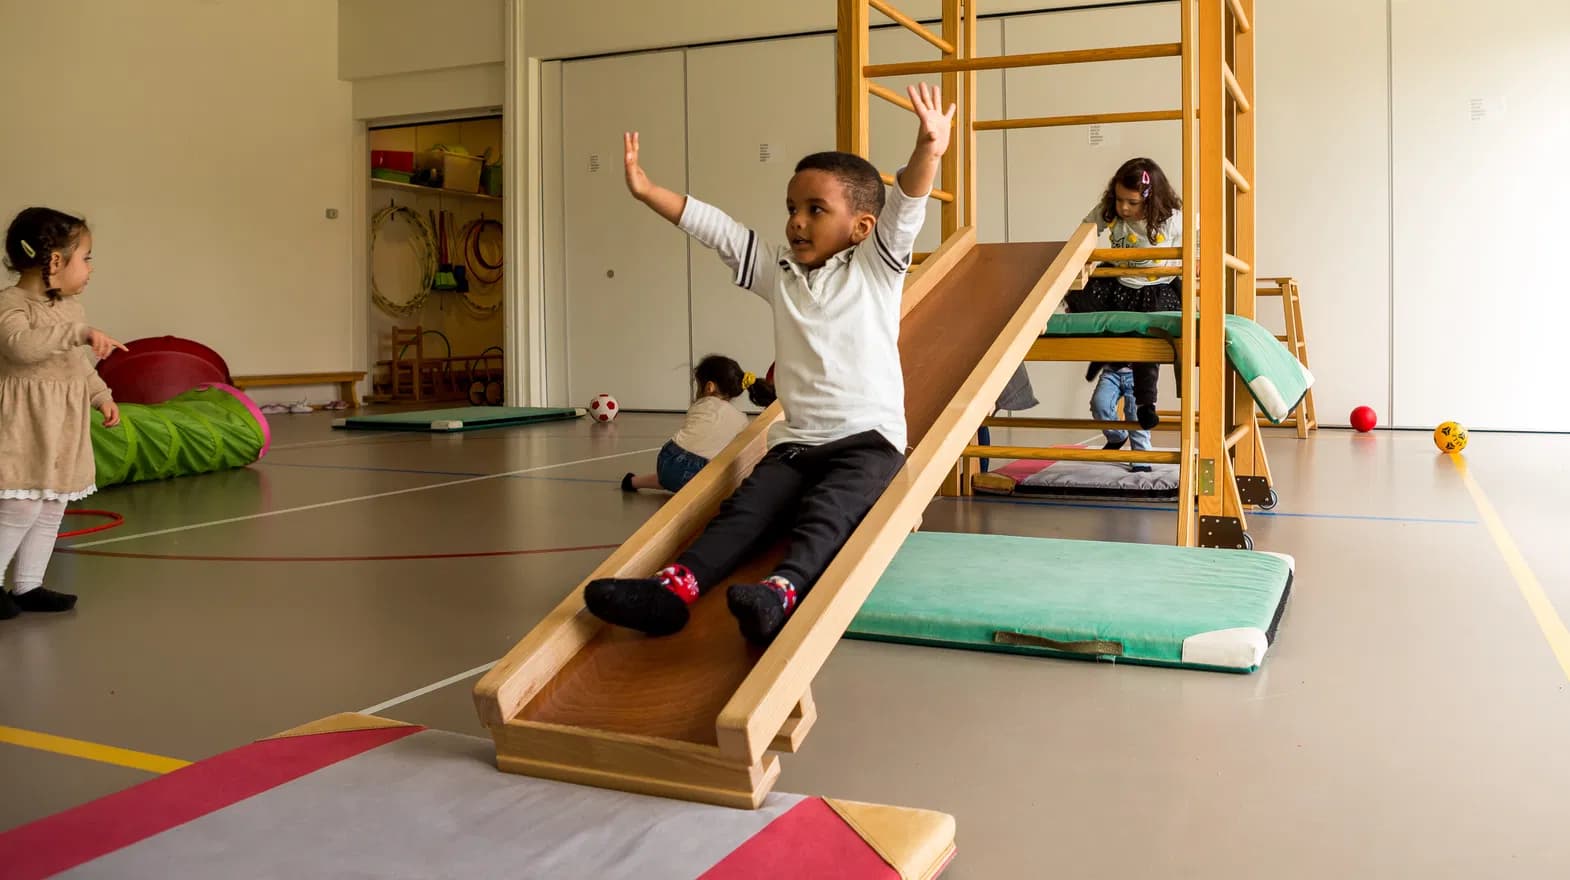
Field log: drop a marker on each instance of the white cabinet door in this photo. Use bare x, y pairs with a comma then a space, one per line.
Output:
626, 268
1481, 142
753, 111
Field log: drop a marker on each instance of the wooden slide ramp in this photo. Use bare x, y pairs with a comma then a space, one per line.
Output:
695, 716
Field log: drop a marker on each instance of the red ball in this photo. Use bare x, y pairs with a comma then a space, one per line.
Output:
1364, 419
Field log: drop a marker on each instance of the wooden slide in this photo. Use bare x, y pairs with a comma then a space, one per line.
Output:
695, 715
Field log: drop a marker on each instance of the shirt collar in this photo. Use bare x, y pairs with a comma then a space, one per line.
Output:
842, 257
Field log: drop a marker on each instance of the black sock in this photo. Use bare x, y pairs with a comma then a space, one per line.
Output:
626, 484
43, 599
760, 609
1115, 444
643, 604
1147, 416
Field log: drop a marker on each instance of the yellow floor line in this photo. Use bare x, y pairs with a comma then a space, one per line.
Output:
60, 745
1548, 618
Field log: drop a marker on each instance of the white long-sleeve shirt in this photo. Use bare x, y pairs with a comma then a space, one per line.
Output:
836, 328
1135, 234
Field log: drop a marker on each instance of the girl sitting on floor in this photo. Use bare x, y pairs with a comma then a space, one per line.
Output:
712, 423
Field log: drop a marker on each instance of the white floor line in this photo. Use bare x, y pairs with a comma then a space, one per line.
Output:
269, 513
420, 692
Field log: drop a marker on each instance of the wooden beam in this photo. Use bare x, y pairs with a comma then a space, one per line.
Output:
944, 43
967, 118
1236, 176
948, 215
1071, 424
1133, 271
1212, 292
1101, 348
1166, 253
1240, 18
1247, 456
1035, 59
891, 96
851, 128
1231, 261
1187, 525
1080, 119
1236, 88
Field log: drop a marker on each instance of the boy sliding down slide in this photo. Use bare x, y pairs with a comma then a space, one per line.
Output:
835, 291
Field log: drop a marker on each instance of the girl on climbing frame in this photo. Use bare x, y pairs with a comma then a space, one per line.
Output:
1139, 209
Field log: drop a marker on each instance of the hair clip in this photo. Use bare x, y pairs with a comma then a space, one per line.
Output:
27, 248
747, 380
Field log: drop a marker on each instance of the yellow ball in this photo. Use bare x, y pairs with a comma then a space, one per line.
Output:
1450, 437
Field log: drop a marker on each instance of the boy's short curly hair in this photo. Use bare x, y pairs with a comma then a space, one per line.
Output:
863, 184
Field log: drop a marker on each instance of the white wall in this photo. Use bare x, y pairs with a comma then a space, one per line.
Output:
1324, 190
204, 162
384, 37
555, 29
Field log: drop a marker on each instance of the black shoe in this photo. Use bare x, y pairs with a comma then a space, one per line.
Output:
1147, 416
44, 600
1118, 445
8, 607
1139, 468
626, 484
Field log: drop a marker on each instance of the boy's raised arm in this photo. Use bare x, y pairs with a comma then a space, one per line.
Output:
662, 201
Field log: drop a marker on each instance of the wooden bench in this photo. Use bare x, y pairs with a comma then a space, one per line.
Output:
346, 381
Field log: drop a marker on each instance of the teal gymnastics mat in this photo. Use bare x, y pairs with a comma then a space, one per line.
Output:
463, 418
1148, 604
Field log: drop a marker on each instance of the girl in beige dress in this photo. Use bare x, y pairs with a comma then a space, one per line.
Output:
48, 388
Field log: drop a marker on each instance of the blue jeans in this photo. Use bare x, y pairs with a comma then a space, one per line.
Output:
1112, 385
676, 466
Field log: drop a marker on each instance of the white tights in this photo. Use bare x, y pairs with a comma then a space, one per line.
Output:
27, 531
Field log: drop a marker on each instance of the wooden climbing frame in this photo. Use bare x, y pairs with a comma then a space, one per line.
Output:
1222, 464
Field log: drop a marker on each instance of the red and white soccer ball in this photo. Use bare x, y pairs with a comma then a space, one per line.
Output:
603, 408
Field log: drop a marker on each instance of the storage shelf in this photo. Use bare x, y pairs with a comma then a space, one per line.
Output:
433, 191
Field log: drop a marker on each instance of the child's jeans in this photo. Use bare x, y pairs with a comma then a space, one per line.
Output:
1112, 385
676, 466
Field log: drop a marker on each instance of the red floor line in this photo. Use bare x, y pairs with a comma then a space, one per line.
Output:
181, 557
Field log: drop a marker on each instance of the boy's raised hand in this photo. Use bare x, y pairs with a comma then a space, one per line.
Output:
637, 182
664, 202
936, 126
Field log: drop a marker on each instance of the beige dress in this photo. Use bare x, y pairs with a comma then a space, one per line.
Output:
48, 388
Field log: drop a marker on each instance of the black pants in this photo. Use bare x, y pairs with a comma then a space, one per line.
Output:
1111, 295
816, 494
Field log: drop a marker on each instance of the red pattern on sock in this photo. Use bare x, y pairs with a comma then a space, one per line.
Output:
679, 580
785, 590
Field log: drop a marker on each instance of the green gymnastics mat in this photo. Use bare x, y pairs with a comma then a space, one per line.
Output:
1155, 605
463, 418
